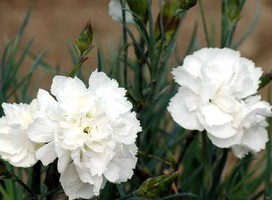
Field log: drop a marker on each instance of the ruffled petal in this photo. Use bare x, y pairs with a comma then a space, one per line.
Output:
222, 131
214, 116
63, 87
73, 186
182, 115
185, 79
41, 130
47, 154
225, 142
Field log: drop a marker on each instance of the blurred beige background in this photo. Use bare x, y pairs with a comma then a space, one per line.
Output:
54, 23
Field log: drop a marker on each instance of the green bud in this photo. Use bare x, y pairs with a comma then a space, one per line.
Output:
167, 20
265, 80
83, 44
153, 187
170, 7
187, 4
233, 10
139, 7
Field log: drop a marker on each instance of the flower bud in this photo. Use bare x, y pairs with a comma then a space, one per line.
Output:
265, 80
167, 21
233, 10
187, 4
153, 187
139, 7
83, 44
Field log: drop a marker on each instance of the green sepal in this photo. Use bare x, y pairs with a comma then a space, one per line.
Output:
187, 4
154, 187
83, 44
265, 80
139, 7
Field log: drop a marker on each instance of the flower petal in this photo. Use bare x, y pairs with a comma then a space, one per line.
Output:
115, 11
46, 154
182, 115
63, 87
225, 142
73, 186
214, 116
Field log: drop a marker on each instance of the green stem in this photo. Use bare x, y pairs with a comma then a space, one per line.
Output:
77, 66
128, 196
207, 159
218, 173
125, 43
140, 71
189, 140
204, 23
141, 153
36, 178
151, 40
32, 194
121, 190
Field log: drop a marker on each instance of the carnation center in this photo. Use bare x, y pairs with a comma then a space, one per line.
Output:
86, 124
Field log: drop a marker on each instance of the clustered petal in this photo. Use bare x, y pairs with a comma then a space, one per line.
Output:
91, 131
218, 94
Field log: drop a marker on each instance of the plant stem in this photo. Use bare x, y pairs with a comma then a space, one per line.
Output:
128, 196
125, 44
151, 40
36, 178
121, 190
189, 140
207, 156
15, 178
77, 66
204, 23
140, 71
141, 153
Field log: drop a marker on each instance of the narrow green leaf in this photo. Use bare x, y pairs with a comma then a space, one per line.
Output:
250, 27
25, 21
205, 27
121, 190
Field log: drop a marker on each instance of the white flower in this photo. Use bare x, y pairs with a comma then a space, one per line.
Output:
115, 11
26, 131
15, 146
95, 141
217, 94
42, 130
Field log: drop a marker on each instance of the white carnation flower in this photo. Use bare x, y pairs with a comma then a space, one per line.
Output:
217, 94
15, 146
42, 130
26, 131
115, 11
95, 141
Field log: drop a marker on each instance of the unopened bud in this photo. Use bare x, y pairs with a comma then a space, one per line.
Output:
167, 22
153, 187
187, 4
233, 10
265, 80
83, 44
139, 7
